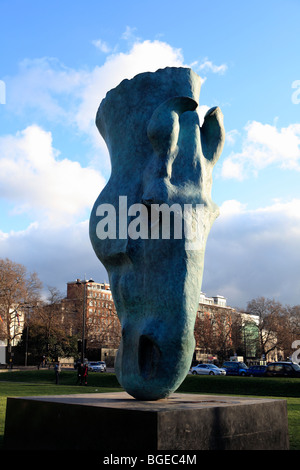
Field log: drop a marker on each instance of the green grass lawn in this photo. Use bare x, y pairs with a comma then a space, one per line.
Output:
42, 382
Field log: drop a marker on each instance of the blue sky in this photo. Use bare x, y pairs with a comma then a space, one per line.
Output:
58, 60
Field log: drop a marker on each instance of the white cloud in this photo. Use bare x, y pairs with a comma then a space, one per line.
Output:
49, 92
231, 207
252, 253
143, 56
71, 97
34, 178
264, 145
233, 168
101, 45
249, 253
209, 66
202, 110
130, 35
46, 85
38, 180
231, 136
58, 254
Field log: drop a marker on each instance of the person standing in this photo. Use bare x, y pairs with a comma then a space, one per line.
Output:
57, 369
85, 374
79, 374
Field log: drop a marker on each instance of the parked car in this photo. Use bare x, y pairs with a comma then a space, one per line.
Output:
98, 366
256, 371
283, 369
235, 368
207, 369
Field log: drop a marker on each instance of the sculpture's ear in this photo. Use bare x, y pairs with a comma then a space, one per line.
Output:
163, 127
213, 134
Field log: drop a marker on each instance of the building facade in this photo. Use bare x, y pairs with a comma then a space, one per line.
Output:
213, 328
94, 301
220, 330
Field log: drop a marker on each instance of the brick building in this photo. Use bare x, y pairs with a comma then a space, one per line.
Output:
102, 326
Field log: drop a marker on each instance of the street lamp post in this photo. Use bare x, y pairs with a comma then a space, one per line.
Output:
26, 344
83, 322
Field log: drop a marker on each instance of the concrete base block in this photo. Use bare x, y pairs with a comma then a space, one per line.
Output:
117, 422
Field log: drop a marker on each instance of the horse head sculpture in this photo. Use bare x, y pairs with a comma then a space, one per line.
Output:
161, 164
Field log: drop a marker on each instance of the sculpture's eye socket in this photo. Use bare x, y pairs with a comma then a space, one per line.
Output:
149, 355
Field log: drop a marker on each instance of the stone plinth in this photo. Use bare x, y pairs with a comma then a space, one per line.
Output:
116, 421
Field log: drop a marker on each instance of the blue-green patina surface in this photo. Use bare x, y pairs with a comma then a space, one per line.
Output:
159, 154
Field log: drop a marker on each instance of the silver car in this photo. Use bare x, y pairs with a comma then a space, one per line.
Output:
98, 366
207, 369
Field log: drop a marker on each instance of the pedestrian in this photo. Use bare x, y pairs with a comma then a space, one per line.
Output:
85, 374
57, 369
79, 374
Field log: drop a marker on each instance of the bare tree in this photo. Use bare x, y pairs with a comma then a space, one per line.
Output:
289, 328
226, 332
51, 325
104, 330
270, 315
237, 343
17, 288
204, 331
293, 318
217, 331
50, 314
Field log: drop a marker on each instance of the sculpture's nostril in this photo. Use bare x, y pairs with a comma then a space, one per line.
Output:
149, 355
